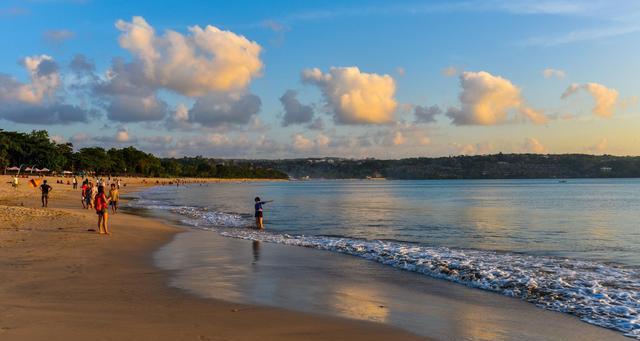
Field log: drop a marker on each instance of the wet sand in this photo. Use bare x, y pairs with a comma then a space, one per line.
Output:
61, 281
310, 280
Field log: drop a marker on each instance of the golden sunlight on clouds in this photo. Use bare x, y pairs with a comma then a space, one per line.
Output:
532, 145
553, 73
355, 97
605, 98
488, 100
207, 60
45, 79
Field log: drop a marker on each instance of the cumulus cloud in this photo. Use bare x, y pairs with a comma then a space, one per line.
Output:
553, 73
45, 80
122, 135
213, 145
600, 147
482, 148
216, 110
301, 143
206, 60
605, 98
426, 114
137, 109
37, 102
355, 97
532, 145
57, 37
81, 65
317, 124
402, 134
294, 111
488, 100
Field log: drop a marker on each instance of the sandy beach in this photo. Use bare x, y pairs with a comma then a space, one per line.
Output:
62, 281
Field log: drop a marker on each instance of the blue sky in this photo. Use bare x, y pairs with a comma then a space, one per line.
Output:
386, 79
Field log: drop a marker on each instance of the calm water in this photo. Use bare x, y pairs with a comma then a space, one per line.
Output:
571, 247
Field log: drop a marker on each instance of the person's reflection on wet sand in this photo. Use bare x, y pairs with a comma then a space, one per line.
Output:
256, 251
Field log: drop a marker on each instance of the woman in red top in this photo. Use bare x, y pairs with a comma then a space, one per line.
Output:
101, 204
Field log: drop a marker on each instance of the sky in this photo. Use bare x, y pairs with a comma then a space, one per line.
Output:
355, 79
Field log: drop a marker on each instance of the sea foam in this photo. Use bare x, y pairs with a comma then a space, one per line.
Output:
606, 295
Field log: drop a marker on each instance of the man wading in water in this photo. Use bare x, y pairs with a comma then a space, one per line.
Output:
258, 214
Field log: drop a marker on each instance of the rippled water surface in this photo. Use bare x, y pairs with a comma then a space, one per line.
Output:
571, 247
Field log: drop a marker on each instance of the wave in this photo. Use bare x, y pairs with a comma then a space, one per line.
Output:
606, 295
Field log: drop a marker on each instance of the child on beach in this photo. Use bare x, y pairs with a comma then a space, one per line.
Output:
45, 189
114, 196
101, 204
258, 213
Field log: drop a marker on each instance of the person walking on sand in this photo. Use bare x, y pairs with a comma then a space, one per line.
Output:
84, 194
114, 196
258, 214
75, 183
93, 190
45, 189
101, 205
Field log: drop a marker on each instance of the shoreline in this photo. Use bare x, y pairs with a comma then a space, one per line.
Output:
65, 283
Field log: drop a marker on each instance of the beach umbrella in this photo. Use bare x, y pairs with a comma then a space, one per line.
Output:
13, 168
67, 172
45, 170
28, 169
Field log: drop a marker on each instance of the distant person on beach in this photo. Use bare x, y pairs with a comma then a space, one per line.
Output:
101, 204
83, 193
15, 182
93, 193
75, 183
114, 196
258, 213
45, 189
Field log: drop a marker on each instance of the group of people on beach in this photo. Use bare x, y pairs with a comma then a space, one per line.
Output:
93, 195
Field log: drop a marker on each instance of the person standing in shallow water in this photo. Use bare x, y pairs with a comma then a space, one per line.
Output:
258, 214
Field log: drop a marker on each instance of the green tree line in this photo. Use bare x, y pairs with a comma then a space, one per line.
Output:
37, 149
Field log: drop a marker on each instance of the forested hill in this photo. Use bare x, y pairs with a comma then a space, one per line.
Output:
497, 166
36, 149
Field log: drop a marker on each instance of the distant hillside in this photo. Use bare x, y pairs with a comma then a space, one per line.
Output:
497, 166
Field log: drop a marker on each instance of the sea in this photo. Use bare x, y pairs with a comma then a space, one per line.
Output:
571, 246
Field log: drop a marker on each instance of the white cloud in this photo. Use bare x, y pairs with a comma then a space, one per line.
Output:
488, 100
122, 135
553, 73
301, 142
37, 102
58, 139
532, 145
605, 98
206, 60
482, 148
600, 147
355, 97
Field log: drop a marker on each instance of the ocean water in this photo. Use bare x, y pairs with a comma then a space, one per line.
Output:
572, 247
